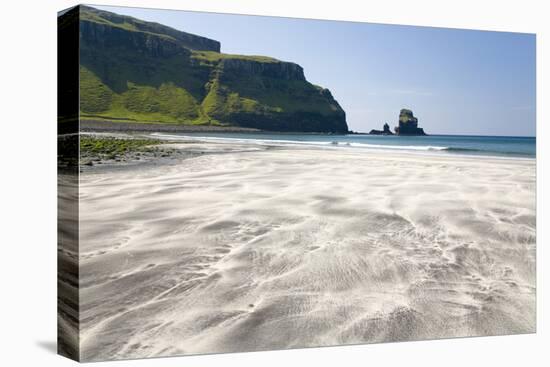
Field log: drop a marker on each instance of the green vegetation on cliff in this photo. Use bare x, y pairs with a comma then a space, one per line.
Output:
131, 70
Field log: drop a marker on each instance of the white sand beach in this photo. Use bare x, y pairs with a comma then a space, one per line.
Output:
253, 247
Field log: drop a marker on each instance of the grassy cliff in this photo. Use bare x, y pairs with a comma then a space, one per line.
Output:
131, 70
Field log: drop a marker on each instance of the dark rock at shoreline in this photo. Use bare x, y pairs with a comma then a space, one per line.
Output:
386, 131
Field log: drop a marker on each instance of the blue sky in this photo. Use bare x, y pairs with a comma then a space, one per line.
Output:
455, 81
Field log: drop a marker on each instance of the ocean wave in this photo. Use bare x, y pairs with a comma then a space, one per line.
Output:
336, 144
457, 149
400, 147
488, 151
300, 142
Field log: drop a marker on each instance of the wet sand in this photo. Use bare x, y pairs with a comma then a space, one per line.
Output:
252, 247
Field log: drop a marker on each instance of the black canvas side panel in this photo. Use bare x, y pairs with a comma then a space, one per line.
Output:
67, 183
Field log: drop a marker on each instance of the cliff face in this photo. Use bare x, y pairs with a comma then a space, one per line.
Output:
113, 20
278, 70
139, 71
107, 37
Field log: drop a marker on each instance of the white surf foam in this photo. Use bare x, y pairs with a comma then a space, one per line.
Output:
331, 144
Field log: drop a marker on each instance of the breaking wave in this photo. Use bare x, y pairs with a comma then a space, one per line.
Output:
282, 140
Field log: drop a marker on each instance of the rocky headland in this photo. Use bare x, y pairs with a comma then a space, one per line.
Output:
136, 71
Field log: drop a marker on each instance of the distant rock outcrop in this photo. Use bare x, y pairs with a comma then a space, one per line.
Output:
386, 131
408, 124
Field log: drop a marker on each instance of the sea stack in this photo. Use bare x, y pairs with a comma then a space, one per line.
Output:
386, 131
408, 124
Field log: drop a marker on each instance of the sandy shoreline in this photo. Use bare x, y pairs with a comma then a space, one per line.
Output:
253, 247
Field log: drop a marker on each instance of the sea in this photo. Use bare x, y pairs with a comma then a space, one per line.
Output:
504, 146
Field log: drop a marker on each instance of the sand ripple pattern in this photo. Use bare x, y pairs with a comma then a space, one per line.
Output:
285, 248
